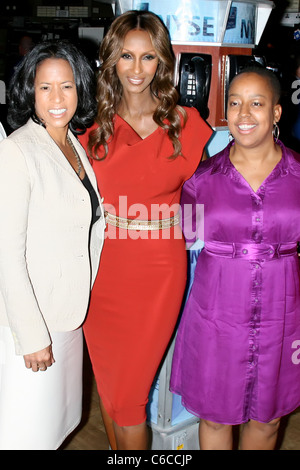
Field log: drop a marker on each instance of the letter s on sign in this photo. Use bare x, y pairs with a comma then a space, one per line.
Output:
296, 354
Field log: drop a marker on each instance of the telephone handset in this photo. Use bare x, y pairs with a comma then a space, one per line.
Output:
194, 81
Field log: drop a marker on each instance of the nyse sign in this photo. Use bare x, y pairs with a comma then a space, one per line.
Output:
193, 28
191, 21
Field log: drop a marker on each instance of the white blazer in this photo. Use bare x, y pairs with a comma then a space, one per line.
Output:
48, 257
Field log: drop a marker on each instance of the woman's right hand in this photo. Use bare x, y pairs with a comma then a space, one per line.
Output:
39, 360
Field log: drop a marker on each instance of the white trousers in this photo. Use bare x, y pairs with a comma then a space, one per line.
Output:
39, 409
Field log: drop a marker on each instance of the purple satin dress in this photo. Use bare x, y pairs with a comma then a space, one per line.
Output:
237, 351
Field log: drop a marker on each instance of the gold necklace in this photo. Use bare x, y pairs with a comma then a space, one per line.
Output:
76, 155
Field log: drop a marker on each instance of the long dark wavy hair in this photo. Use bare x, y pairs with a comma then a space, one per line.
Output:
21, 94
168, 114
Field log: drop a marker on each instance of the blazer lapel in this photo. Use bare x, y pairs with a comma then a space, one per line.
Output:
48, 145
54, 152
86, 163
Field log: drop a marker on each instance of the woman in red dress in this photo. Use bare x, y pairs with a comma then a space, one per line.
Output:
144, 147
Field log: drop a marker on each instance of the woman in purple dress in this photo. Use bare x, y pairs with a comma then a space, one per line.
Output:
237, 353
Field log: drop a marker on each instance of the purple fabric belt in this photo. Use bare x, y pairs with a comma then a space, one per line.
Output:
251, 250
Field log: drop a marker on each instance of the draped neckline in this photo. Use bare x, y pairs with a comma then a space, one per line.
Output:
122, 121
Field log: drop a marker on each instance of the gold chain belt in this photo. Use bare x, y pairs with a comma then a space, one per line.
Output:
135, 224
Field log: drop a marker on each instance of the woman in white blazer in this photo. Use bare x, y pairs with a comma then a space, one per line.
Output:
51, 236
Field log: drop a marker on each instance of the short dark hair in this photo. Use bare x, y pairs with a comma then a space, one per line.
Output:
21, 93
268, 75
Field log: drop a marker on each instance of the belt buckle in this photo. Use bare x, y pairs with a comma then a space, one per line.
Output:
276, 251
